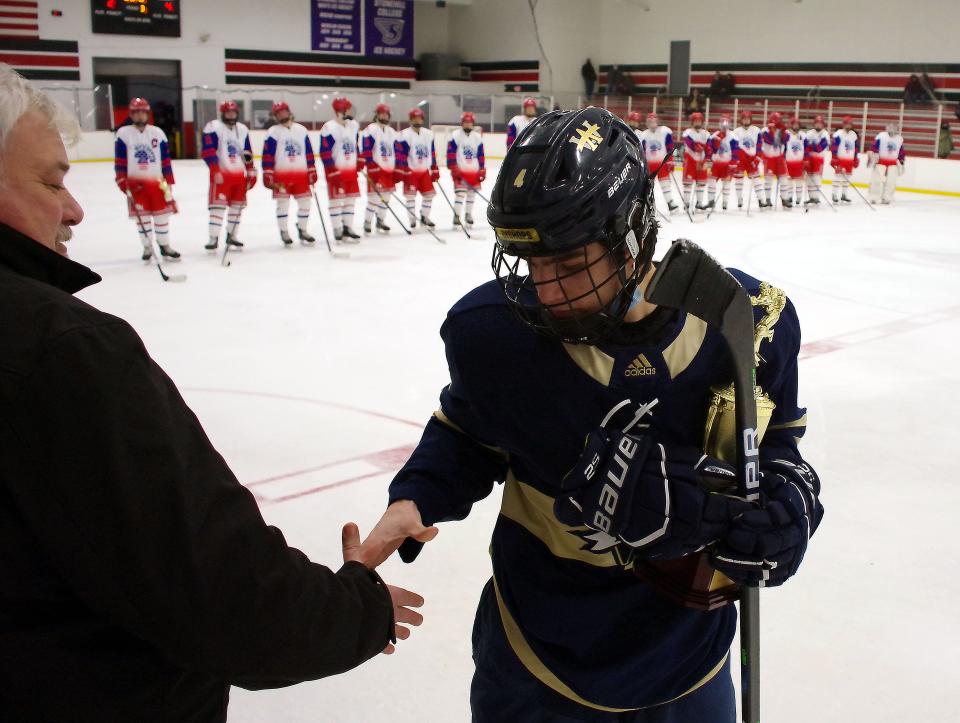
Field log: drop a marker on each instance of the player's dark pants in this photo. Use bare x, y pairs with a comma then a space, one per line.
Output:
503, 690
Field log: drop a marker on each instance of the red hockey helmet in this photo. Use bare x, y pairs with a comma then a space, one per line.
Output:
775, 119
381, 108
341, 104
467, 117
848, 120
818, 119
529, 103
415, 113
652, 116
725, 121
229, 105
635, 115
139, 104
279, 106
696, 117
746, 114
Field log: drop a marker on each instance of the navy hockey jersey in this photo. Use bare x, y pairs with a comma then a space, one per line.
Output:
517, 410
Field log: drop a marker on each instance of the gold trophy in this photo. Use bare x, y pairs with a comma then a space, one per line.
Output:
690, 580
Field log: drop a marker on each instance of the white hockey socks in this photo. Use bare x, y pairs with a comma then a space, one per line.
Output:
161, 229
410, 203
426, 204
144, 229
283, 204
667, 191
349, 206
233, 220
216, 221
303, 212
458, 196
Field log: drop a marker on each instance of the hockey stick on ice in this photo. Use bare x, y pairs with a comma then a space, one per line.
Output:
461, 224
683, 200
323, 225
689, 278
176, 278
857, 191
394, 196
819, 190
477, 191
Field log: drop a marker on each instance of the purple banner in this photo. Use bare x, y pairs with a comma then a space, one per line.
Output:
389, 29
336, 26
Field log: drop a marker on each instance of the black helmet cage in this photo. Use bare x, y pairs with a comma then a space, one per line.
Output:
629, 236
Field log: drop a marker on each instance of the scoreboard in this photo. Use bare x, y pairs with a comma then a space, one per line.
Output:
136, 17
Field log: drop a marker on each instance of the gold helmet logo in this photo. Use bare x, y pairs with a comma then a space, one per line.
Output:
587, 137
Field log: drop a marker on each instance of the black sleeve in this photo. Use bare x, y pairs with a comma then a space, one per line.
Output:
152, 530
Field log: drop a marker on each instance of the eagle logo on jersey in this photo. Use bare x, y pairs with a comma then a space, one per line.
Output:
653, 147
233, 150
468, 154
348, 147
587, 137
143, 154
391, 29
291, 148
385, 150
421, 152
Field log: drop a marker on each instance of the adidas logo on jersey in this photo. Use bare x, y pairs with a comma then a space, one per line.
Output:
640, 367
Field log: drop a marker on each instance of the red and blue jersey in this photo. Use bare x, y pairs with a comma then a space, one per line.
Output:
378, 146
794, 145
415, 151
465, 150
844, 144
771, 142
227, 148
287, 149
889, 148
723, 147
338, 145
142, 154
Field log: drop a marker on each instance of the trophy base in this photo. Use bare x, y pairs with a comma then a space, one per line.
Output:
688, 581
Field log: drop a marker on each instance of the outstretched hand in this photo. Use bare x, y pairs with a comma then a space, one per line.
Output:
400, 521
403, 600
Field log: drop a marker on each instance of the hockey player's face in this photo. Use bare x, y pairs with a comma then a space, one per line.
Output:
530, 111
230, 117
416, 122
467, 125
651, 123
284, 117
33, 199
139, 118
577, 283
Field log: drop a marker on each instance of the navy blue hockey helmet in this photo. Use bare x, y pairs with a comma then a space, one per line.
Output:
573, 178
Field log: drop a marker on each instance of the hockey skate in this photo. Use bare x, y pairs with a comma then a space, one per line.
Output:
671, 207
381, 226
147, 255
169, 253
787, 203
367, 227
456, 220
285, 237
211, 245
305, 237
413, 222
231, 241
427, 222
845, 199
468, 217
349, 235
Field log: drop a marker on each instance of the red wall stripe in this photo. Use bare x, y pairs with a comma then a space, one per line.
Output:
47, 61
241, 66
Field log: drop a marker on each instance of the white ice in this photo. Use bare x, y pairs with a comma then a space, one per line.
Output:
313, 377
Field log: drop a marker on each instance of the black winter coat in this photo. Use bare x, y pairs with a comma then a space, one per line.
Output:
138, 580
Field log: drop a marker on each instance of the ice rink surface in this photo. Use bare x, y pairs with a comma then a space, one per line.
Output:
313, 377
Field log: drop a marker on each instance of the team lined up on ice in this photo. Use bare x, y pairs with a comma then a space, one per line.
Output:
793, 160
385, 156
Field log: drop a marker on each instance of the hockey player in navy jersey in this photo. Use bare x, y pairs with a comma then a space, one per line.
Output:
561, 347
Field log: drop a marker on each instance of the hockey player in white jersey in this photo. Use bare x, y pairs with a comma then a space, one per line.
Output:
378, 150
887, 156
229, 158
748, 140
818, 143
844, 158
774, 167
519, 122
724, 153
417, 164
142, 168
341, 164
695, 162
467, 166
657, 143
795, 158
289, 170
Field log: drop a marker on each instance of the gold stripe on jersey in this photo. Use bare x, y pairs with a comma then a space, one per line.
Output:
533, 510
802, 422
447, 422
591, 360
682, 350
546, 676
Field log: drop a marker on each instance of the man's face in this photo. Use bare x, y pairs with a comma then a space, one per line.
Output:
140, 118
33, 199
416, 121
284, 117
575, 284
530, 110
467, 126
635, 124
230, 117
652, 124
383, 118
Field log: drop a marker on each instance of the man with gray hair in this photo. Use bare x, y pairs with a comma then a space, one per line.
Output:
138, 580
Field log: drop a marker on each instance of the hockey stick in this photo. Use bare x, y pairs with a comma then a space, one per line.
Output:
461, 224
371, 184
688, 278
409, 232
820, 191
683, 201
477, 191
176, 278
857, 191
323, 225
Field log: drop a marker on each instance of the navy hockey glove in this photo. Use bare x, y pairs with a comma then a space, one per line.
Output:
764, 546
634, 491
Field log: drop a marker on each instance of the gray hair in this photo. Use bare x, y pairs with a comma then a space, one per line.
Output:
18, 97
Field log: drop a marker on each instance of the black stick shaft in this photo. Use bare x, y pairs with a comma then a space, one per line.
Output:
463, 226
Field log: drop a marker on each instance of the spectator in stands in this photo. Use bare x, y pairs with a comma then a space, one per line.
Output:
957, 111
729, 85
945, 142
625, 86
614, 79
696, 101
929, 88
913, 91
589, 74
716, 90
